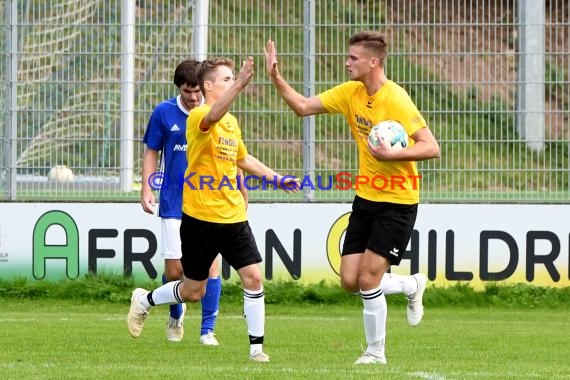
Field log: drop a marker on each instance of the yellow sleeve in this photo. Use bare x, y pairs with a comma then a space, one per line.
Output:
193, 122
336, 98
408, 113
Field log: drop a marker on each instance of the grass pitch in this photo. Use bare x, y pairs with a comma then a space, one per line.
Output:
62, 339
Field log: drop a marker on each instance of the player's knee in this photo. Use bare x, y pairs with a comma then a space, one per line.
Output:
173, 274
367, 281
350, 285
252, 282
173, 270
251, 277
349, 280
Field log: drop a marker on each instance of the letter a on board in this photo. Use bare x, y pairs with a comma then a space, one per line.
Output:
69, 250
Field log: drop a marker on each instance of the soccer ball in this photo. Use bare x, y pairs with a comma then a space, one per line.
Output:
391, 131
61, 173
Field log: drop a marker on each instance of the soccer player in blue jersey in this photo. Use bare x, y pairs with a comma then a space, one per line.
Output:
166, 133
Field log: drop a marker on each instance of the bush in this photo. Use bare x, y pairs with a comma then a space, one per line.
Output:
117, 289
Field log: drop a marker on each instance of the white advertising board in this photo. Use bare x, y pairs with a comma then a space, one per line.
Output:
468, 243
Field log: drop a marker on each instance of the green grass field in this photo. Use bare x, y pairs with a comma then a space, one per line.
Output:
71, 339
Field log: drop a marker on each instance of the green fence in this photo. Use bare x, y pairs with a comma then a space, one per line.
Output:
490, 77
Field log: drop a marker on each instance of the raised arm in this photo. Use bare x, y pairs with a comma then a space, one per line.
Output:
223, 103
301, 105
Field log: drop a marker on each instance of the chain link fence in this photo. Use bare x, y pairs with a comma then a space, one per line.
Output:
490, 77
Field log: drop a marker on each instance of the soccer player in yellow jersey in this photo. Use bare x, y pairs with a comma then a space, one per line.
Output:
214, 215
381, 221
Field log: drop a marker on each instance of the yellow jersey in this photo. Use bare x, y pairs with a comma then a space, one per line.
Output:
211, 191
380, 181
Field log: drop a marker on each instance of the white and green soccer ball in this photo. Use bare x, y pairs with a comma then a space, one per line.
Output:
391, 131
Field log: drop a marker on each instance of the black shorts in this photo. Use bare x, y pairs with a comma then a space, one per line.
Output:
202, 241
382, 227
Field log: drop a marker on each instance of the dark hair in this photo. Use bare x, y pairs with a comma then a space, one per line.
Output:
208, 66
373, 41
185, 73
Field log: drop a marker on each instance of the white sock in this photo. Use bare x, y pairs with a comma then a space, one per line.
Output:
254, 313
166, 294
253, 348
375, 313
396, 283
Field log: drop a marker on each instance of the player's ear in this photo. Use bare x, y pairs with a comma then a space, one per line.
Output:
207, 85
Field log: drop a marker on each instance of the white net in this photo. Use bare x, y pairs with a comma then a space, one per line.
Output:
50, 37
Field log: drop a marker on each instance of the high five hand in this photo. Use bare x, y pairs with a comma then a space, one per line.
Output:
271, 58
246, 72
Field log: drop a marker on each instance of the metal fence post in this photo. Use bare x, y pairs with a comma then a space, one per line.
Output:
309, 90
530, 107
200, 23
9, 155
127, 92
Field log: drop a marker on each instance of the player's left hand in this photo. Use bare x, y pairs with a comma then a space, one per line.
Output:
289, 184
382, 152
271, 58
246, 72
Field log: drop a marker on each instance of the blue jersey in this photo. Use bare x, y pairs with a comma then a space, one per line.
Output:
166, 132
